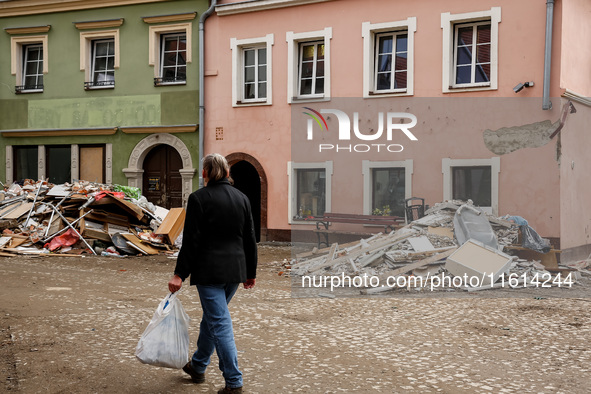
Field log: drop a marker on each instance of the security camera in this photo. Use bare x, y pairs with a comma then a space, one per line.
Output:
520, 86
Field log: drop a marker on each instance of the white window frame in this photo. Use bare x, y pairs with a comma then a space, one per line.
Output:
494, 163
369, 32
93, 63
292, 187
366, 169
26, 49
17, 55
293, 50
448, 24
87, 40
162, 46
238, 47
154, 45
314, 78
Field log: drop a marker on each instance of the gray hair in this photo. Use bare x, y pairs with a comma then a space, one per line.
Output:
216, 167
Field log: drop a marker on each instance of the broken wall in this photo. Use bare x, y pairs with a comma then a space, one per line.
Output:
575, 184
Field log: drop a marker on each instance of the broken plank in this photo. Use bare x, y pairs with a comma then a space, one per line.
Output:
417, 264
383, 243
18, 211
317, 251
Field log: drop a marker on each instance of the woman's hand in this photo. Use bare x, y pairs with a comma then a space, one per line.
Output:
175, 284
249, 284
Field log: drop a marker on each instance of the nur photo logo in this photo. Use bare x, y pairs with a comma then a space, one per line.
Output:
389, 124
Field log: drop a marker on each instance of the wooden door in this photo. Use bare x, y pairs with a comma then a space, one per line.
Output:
162, 183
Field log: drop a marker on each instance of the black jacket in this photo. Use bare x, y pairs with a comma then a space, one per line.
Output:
219, 244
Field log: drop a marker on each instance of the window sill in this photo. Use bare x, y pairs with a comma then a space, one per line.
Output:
93, 86
469, 88
170, 84
250, 103
309, 99
161, 82
388, 94
311, 222
28, 91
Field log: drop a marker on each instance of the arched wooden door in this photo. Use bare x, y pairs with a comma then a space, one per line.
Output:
162, 184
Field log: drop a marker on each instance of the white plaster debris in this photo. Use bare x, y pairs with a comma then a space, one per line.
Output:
382, 253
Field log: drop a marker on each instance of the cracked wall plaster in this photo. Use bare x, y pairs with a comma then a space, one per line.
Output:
509, 139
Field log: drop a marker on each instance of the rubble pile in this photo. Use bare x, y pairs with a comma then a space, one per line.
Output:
454, 238
38, 217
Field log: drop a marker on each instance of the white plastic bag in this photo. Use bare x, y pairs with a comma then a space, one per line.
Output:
165, 342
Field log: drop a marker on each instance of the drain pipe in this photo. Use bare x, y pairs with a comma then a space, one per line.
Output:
202, 19
546, 103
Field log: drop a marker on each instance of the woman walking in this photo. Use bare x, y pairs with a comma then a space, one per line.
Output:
218, 252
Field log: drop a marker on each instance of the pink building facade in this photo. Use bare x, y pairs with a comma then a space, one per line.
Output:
280, 73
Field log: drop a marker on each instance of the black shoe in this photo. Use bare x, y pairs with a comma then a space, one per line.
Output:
235, 390
196, 377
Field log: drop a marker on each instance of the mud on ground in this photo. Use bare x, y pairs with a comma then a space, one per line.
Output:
70, 325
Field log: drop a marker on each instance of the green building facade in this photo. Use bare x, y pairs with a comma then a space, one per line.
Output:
101, 91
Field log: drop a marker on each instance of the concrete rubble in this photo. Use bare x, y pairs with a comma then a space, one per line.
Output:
430, 247
37, 217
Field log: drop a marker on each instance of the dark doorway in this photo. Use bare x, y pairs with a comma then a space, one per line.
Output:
247, 180
163, 184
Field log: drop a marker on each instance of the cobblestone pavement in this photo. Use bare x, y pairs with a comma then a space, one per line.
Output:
70, 325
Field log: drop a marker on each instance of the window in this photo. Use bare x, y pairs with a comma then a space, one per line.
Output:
29, 63
477, 180
32, 68
470, 50
255, 74
309, 189
58, 163
388, 58
472, 183
99, 58
170, 52
308, 68
173, 58
103, 64
311, 69
472, 53
251, 71
25, 162
390, 62
311, 192
386, 186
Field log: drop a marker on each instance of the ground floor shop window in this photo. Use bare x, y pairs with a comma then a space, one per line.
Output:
474, 179
311, 192
58, 163
388, 191
309, 189
472, 183
386, 186
25, 162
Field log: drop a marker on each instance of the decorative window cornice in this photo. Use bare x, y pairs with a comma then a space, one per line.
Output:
98, 24
170, 18
27, 30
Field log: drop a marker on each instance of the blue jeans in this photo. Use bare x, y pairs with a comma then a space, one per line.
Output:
216, 333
